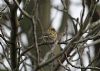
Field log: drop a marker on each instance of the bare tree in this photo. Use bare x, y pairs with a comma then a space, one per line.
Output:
34, 45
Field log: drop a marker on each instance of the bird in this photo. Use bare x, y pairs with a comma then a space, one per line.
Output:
52, 34
51, 38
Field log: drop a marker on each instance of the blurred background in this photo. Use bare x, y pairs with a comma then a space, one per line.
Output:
65, 16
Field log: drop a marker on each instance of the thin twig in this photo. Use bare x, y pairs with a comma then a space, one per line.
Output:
7, 2
83, 11
35, 38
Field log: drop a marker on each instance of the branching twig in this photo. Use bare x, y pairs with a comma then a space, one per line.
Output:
5, 54
7, 2
4, 66
79, 67
22, 11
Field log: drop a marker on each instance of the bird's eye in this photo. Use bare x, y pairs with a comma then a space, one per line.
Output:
52, 29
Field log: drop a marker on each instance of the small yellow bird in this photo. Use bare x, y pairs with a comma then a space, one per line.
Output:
52, 34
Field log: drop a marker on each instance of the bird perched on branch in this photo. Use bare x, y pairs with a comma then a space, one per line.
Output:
52, 39
52, 35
